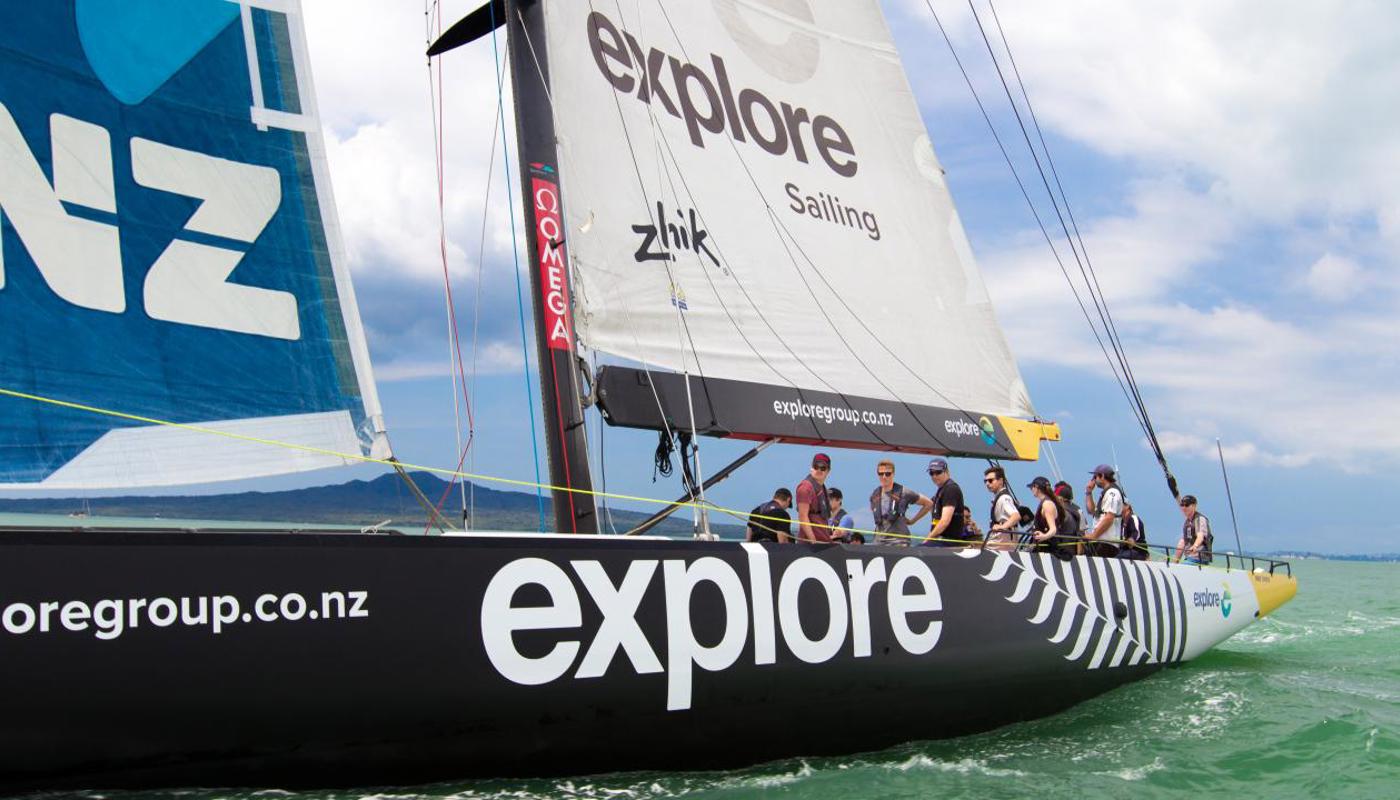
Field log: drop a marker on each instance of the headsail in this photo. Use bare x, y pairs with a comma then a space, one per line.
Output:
170, 249
761, 168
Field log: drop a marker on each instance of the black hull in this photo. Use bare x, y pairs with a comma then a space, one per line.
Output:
405, 688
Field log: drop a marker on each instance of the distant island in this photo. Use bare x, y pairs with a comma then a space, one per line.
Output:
354, 504
1295, 555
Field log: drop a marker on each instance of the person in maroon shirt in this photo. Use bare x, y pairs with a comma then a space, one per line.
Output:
813, 505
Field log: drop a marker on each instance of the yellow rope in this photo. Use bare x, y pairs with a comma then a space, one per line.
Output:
458, 473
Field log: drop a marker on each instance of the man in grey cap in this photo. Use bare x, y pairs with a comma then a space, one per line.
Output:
1108, 509
948, 529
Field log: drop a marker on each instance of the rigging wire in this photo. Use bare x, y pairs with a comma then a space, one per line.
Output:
480, 272
458, 374
1045, 233
1086, 270
1110, 324
515, 254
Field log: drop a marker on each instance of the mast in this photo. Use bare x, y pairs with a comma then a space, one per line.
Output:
566, 441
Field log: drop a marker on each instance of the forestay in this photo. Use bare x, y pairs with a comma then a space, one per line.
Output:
762, 169
170, 249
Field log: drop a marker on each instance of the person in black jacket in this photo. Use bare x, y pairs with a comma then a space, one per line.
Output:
1134, 546
762, 528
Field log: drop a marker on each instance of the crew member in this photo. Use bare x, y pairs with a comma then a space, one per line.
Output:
1078, 520
1005, 518
762, 525
1197, 542
841, 520
1052, 522
970, 528
948, 528
889, 503
813, 503
1109, 511
1134, 535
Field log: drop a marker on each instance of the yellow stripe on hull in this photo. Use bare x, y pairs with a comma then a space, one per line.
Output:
1272, 591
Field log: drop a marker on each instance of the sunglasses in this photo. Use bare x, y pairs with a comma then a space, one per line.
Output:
937, 471
989, 480
885, 474
822, 467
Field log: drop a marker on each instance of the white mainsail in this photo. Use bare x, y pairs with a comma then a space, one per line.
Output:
762, 169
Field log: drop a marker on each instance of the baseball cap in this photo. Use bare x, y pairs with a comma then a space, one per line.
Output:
821, 459
1102, 470
1188, 500
938, 465
1041, 482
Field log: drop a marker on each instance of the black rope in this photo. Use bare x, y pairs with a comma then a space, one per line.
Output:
665, 446
1118, 361
1086, 267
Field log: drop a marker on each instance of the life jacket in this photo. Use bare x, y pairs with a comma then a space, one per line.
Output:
884, 519
766, 530
1075, 517
819, 507
1188, 535
1135, 531
1063, 522
956, 528
992, 520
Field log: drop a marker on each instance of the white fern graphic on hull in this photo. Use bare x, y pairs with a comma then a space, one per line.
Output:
1080, 601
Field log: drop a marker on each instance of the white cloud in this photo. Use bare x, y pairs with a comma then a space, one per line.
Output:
377, 108
1236, 453
1334, 278
1259, 150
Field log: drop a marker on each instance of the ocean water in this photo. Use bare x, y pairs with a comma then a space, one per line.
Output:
1305, 703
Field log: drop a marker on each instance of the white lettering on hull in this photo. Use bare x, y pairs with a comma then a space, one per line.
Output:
910, 588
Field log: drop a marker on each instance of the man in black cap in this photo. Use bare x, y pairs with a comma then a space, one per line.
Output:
948, 530
813, 505
1109, 510
1197, 541
763, 520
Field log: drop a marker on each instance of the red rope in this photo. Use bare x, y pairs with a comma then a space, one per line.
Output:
461, 376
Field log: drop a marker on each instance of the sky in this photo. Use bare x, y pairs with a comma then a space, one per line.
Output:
1231, 170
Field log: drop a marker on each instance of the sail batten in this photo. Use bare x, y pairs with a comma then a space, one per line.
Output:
763, 171
169, 251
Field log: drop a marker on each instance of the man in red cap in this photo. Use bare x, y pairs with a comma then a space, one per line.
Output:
813, 505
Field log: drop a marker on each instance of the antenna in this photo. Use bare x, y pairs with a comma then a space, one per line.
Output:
1231, 499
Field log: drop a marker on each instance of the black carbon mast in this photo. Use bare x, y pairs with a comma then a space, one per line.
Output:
565, 438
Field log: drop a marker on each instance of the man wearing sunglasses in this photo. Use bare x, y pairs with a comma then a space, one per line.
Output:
813, 504
948, 530
890, 502
1006, 517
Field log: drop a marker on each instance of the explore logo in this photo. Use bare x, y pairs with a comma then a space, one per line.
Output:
1208, 599
983, 429
989, 432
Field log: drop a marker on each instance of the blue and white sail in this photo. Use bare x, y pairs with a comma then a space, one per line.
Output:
169, 250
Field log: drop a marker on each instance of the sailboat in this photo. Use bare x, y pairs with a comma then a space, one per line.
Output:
731, 199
